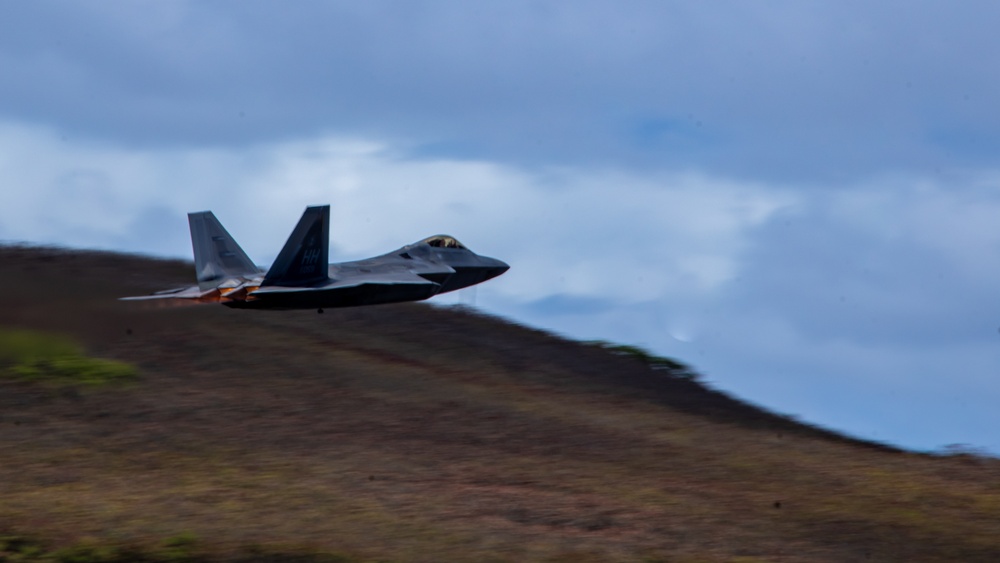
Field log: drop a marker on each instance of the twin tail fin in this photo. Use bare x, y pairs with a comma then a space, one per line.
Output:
217, 257
304, 260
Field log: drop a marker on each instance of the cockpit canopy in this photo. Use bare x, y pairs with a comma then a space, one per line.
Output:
443, 241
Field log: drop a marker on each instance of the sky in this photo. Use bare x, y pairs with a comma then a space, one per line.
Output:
801, 200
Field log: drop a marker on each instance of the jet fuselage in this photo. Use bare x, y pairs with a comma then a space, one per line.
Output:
302, 278
440, 270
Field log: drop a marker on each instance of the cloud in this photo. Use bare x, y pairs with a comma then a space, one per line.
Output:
564, 225
772, 91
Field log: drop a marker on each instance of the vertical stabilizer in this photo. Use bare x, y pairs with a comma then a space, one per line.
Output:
304, 259
216, 254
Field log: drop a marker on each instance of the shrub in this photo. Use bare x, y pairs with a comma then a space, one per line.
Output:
48, 358
17, 548
675, 368
179, 548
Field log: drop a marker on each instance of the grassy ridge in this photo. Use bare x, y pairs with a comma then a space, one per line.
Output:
412, 433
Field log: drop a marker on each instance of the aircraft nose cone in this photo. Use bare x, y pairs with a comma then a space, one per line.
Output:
495, 267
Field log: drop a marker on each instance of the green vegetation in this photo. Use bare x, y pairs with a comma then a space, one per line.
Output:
54, 359
181, 548
671, 365
18, 549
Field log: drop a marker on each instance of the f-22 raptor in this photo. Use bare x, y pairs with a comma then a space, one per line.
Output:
302, 278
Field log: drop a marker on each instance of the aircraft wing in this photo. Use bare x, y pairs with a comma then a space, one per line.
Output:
193, 292
356, 281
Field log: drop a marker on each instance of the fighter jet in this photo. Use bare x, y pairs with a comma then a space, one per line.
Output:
302, 278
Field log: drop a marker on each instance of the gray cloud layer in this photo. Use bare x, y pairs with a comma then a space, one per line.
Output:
784, 90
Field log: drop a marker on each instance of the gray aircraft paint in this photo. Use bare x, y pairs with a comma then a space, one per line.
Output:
216, 255
302, 278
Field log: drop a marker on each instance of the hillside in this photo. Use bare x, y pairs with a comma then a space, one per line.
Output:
416, 433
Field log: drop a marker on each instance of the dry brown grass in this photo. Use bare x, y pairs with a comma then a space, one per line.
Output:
412, 433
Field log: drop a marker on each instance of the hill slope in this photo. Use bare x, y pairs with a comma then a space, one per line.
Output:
413, 433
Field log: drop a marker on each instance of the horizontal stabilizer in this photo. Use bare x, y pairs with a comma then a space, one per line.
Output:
193, 292
386, 279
